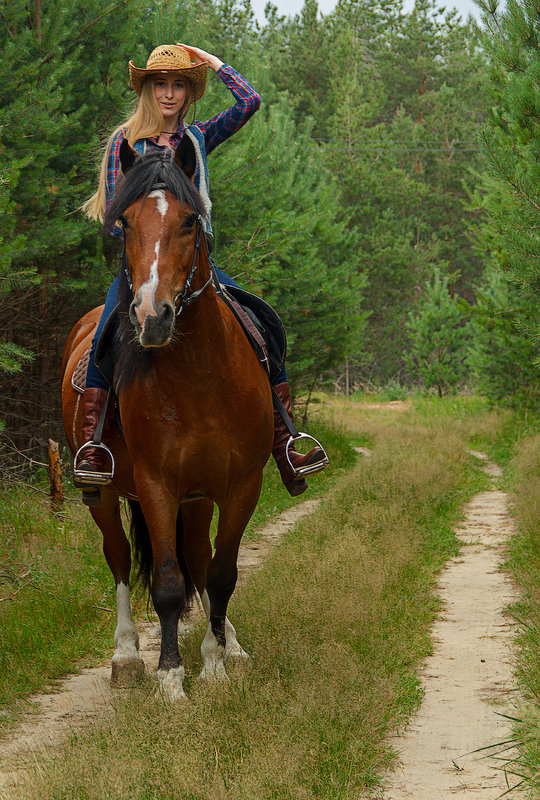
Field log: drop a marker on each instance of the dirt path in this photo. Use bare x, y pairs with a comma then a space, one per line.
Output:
468, 679
88, 695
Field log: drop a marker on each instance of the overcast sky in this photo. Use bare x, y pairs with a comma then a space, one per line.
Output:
465, 7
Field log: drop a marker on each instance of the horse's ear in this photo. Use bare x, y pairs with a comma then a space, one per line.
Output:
185, 156
128, 156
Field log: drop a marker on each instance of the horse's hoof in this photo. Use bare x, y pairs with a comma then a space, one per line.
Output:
215, 673
236, 652
126, 672
171, 685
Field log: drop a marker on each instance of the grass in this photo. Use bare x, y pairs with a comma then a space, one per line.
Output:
524, 561
337, 622
53, 581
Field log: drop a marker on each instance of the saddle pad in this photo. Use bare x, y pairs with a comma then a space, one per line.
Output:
78, 379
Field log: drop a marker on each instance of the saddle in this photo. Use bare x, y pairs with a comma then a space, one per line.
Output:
262, 326
78, 379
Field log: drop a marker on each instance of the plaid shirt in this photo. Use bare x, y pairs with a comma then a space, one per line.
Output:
215, 130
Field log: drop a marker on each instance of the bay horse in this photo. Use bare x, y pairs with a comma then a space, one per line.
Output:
196, 418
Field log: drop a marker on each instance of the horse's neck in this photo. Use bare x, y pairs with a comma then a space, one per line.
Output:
202, 333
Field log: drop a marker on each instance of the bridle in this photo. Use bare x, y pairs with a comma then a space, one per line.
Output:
186, 296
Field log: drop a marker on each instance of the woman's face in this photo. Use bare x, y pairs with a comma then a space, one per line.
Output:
170, 93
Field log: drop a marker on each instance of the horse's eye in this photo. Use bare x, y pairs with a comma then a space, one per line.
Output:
123, 221
190, 221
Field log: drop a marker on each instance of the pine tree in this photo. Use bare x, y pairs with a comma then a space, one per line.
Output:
402, 111
280, 231
65, 73
501, 354
437, 354
511, 40
12, 356
300, 55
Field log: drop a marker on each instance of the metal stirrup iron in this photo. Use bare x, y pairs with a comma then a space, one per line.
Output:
86, 477
295, 436
307, 469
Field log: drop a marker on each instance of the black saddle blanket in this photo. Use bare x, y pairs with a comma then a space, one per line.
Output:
263, 329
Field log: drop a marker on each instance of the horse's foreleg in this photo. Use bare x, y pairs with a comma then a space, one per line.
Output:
168, 584
220, 640
198, 555
233, 649
168, 595
127, 666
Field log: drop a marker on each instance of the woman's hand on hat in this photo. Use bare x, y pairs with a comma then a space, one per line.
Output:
201, 56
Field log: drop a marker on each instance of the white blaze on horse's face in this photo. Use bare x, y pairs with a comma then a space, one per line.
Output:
153, 318
162, 204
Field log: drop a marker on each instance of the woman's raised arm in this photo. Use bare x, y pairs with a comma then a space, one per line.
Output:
199, 56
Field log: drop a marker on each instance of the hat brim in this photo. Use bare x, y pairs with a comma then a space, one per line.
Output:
196, 75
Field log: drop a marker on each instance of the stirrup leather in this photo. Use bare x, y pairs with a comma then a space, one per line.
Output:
87, 477
308, 469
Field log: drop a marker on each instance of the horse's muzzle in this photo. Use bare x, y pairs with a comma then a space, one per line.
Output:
154, 330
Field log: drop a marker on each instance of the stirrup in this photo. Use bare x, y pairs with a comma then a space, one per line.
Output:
86, 477
308, 469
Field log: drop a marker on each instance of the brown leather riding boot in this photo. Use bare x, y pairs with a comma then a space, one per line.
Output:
94, 459
294, 483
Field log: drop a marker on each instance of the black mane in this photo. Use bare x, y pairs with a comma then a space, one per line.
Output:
150, 171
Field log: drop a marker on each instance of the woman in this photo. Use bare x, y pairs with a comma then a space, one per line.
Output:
172, 81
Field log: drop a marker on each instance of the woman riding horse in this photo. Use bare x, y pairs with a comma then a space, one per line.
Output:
175, 78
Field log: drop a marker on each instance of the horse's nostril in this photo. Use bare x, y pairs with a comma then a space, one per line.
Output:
133, 314
155, 330
167, 314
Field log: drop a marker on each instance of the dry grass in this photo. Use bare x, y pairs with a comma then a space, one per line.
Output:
336, 622
525, 559
524, 761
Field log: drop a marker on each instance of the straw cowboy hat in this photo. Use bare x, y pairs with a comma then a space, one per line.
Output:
170, 58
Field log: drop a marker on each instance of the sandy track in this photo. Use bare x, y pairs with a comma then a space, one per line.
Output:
88, 695
468, 679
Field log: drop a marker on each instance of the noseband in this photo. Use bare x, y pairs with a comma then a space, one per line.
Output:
186, 296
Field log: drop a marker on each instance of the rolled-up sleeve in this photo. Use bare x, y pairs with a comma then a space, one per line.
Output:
219, 128
113, 168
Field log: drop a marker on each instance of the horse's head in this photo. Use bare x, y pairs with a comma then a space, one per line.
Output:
162, 216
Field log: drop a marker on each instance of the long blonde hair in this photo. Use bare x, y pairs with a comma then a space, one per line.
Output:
145, 121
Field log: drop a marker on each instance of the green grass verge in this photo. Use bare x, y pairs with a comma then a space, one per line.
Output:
337, 621
524, 561
53, 579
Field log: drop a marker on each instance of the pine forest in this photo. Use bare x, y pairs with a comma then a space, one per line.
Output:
384, 200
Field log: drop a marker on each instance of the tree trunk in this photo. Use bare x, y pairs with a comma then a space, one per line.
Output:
37, 19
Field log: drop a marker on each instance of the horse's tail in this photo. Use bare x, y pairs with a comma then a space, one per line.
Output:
143, 556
